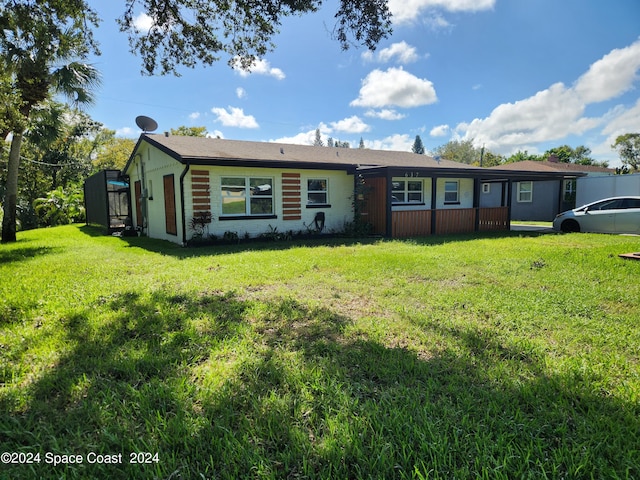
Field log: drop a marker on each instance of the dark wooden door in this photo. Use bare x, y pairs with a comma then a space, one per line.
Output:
170, 204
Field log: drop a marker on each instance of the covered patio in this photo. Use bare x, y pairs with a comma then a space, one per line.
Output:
438, 201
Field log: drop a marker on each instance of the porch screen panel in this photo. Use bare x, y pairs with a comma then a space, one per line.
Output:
170, 205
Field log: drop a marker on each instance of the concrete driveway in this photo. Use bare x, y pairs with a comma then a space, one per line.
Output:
531, 228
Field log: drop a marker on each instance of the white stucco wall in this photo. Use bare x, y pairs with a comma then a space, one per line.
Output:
156, 165
340, 211
465, 193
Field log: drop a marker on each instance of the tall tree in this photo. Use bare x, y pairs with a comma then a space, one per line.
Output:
418, 146
521, 156
461, 151
189, 131
628, 147
43, 46
187, 32
580, 155
318, 140
113, 152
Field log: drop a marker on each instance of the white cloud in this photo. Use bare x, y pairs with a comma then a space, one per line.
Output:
397, 143
440, 131
241, 93
126, 132
619, 120
351, 125
395, 87
406, 11
143, 22
235, 117
550, 114
559, 111
215, 134
259, 67
308, 137
385, 114
303, 138
194, 115
402, 51
612, 75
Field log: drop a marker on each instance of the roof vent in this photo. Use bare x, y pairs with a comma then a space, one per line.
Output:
166, 134
282, 150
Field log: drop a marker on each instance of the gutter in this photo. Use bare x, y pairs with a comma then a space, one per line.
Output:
182, 212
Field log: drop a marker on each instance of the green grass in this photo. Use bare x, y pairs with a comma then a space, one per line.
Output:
494, 356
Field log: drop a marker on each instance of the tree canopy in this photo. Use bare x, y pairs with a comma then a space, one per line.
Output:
43, 46
187, 32
628, 147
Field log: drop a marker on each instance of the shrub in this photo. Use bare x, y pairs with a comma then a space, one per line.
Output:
60, 207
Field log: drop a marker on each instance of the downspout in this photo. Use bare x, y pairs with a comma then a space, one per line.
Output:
182, 212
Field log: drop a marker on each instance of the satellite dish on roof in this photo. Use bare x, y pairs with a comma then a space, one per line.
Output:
147, 124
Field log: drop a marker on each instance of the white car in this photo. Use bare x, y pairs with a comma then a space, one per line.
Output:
611, 215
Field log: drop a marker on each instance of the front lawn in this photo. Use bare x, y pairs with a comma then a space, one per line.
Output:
495, 356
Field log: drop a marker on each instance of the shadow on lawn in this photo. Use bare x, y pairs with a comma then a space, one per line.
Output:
20, 254
224, 248
224, 387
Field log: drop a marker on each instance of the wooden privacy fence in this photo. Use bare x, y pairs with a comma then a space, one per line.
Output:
413, 223
496, 218
449, 221
459, 220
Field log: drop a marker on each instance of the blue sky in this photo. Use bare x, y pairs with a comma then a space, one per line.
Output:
509, 74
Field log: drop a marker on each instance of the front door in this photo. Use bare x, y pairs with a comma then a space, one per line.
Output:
170, 204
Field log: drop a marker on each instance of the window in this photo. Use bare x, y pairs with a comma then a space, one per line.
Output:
317, 193
247, 196
569, 194
407, 191
615, 204
486, 188
631, 203
451, 189
525, 192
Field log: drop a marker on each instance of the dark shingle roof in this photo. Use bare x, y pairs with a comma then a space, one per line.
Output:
214, 150
568, 168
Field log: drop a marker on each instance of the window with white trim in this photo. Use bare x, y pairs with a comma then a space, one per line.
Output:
451, 192
247, 196
486, 188
407, 191
525, 192
317, 191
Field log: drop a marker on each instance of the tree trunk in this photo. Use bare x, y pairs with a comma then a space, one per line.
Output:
11, 193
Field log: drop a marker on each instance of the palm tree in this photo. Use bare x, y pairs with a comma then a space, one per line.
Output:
40, 51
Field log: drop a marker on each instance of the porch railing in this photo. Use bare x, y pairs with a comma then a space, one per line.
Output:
449, 221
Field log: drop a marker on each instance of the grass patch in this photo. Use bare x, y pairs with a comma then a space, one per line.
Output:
491, 356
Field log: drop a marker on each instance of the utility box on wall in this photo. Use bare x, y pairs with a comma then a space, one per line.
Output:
107, 201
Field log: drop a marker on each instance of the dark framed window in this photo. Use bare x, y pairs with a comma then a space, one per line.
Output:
247, 196
407, 191
451, 191
317, 191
